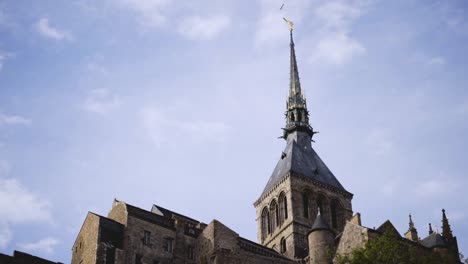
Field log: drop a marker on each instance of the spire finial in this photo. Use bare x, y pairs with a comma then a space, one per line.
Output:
430, 229
411, 224
290, 24
446, 231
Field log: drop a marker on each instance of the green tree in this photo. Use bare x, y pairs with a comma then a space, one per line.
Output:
389, 249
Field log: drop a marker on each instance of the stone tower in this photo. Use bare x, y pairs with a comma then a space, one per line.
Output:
321, 242
300, 184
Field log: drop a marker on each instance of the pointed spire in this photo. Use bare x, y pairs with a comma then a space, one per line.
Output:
430, 229
297, 115
446, 231
412, 233
294, 82
411, 224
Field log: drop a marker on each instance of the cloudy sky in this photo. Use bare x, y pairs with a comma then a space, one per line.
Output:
180, 104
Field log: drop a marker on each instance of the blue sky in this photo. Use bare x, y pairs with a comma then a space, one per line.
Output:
180, 103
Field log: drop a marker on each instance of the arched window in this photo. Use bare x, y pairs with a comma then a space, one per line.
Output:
292, 117
333, 214
337, 214
283, 208
283, 245
273, 215
320, 205
305, 204
323, 204
265, 223
299, 116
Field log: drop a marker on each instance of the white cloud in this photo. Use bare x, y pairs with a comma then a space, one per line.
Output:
44, 245
13, 120
19, 205
337, 48
159, 123
46, 30
3, 57
338, 15
335, 44
150, 12
101, 101
203, 28
271, 29
5, 234
436, 61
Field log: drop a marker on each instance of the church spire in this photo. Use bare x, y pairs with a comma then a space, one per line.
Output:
446, 231
297, 116
294, 83
412, 233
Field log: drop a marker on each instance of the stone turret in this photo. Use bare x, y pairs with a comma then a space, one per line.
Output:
321, 242
412, 233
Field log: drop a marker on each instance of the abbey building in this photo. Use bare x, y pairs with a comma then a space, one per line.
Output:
304, 215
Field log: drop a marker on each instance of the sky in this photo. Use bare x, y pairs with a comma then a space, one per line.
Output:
181, 103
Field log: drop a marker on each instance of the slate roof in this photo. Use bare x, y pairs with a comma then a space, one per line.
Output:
259, 249
24, 258
299, 157
150, 217
168, 213
319, 224
433, 240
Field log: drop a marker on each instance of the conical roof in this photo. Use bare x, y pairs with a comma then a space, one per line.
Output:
319, 223
301, 159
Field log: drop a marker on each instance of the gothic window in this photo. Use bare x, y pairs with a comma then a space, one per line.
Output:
320, 204
292, 117
333, 214
305, 204
283, 208
146, 238
167, 244
273, 215
324, 206
265, 223
283, 245
337, 214
299, 116
190, 252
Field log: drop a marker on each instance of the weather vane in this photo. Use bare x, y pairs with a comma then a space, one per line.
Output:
290, 23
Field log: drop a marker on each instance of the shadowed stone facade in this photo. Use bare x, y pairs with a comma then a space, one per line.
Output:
23, 258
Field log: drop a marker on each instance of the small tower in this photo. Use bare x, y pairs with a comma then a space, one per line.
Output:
412, 233
321, 242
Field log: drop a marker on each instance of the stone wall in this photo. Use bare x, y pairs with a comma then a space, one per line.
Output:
354, 236
84, 249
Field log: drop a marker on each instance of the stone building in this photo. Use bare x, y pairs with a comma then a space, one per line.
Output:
24, 258
303, 215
